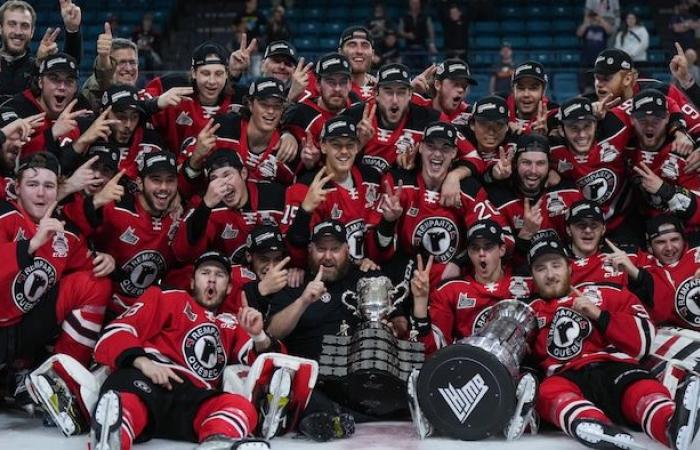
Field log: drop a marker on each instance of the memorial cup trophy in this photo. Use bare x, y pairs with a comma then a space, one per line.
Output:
369, 368
470, 390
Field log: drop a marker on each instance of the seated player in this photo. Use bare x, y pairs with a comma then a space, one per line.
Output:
589, 347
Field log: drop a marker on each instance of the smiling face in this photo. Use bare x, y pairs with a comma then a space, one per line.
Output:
16, 30
450, 93
359, 52
333, 255
528, 92
586, 236
266, 113
392, 103
57, 90
489, 133
37, 189
436, 158
340, 154
650, 131
126, 66
668, 247
552, 276
532, 169
485, 257
278, 66
159, 191
580, 135
210, 285
210, 80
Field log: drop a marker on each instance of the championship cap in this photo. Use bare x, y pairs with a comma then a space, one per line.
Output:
121, 97
40, 160
531, 69
332, 228
281, 48
486, 229
649, 102
222, 157
584, 209
545, 246
107, 155
491, 109
59, 62
213, 256
209, 53
531, 143
157, 161
266, 87
332, 63
454, 69
264, 238
355, 32
655, 224
577, 108
7, 116
393, 73
611, 61
338, 126
441, 130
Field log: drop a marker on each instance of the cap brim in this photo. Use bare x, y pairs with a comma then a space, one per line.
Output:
318, 237
284, 55
159, 168
121, 108
388, 82
582, 117
641, 114
471, 81
603, 71
520, 77
344, 135
490, 118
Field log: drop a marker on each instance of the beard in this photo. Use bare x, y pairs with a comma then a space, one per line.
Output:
556, 291
202, 297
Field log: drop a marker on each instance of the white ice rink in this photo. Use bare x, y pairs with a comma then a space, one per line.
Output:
18, 432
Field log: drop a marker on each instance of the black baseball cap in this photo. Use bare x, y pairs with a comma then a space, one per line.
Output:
40, 160
281, 48
157, 161
649, 102
7, 116
492, 108
332, 228
454, 69
107, 155
486, 229
264, 238
611, 61
355, 32
653, 226
59, 62
545, 246
584, 209
531, 69
338, 126
209, 53
121, 97
331, 64
531, 143
222, 157
577, 108
266, 87
393, 73
441, 130
213, 256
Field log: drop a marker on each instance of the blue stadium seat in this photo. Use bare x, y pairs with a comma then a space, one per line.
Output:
541, 10
569, 58
513, 12
484, 58
565, 26
306, 44
566, 41
641, 11
487, 42
334, 28
657, 56
328, 44
544, 42
336, 13
664, 77
654, 41
517, 42
513, 27
310, 13
486, 27
565, 86
538, 26
564, 11
307, 28
481, 89
543, 57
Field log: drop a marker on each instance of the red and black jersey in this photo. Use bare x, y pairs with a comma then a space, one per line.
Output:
352, 206
158, 85
460, 116
597, 269
307, 116
678, 103
233, 135
458, 308
566, 339
382, 150
526, 124
357, 93
173, 330
144, 140
240, 277
138, 241
599, 174
225, 229
27, 279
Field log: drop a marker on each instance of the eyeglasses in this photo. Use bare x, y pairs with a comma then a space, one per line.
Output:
127, 62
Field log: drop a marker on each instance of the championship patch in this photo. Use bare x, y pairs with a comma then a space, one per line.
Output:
203, 351
184, 119
142, 270
567, 333
687, 301
59, 245
465, 301
439, 236
32, 282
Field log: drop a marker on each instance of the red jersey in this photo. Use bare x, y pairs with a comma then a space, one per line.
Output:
678, 103
173, 330
597, 269
27, 279
307, 116
460, 307
566, 339
460, 116
526, 124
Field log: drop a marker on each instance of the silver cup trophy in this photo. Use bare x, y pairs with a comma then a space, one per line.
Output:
468, 390
370, 367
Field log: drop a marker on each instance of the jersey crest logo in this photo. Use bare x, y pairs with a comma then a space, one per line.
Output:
465, 301
191, 316
129, 236
184, 119
518, 287
670, 168
229, 232
598, 186
142, 270
21, 235
439, 236
203, 351
336, 213
371, 195
687, 301
564, 166
59, 245
355, 232
608, 153
567, 333
32, 282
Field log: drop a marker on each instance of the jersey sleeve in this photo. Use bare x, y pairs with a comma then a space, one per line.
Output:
626, 323
442, 319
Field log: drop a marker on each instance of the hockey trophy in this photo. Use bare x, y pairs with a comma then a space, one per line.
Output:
369, 368
468, 390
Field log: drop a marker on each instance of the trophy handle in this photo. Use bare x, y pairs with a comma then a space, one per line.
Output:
353, 296
399, 293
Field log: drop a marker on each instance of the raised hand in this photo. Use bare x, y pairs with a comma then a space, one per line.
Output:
601, 107
504, 166
217, 190
451, 191
250, 318
421, 84
81, 178
66, 121
206, 140
175, 96
275, 279
48, 45
99, 130
682, 144
584, 305
23, 128
111, 192
532, 219
104, 46
316, 193
314, 290
310, 154
391, 206
407, 159
650, 181
420, 286
286, 148
365, 130
679, 68
239, 61
300, 80
540, 123
48, 226
621, 260
71, 14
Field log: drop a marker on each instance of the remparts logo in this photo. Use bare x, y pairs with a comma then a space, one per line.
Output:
462, 401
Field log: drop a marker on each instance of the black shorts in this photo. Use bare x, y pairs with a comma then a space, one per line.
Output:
170, 413
605, 383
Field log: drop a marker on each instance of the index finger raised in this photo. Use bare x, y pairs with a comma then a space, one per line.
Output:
284, 262
612, 246
679, 49
319, 274
50, 210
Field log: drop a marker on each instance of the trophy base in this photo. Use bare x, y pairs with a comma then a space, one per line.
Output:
466, 393
374, 393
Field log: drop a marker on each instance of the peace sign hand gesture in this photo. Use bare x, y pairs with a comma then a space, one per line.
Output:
239, 61
316, 193
391, 207
532, 219
420, 287
503, 167
300, 80
66, 121
650, 181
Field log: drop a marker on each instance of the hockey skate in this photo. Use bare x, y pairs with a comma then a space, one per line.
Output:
105, 433
602, 436
685, 421
421, 423
322, 427
524, 414
19, 394
52, 393
221, 442
275, 403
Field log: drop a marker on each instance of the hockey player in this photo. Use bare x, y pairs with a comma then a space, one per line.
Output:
528, 108
589, 346
14, 133
167, 354
451, 86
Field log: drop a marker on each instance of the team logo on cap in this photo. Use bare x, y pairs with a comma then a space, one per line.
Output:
204, 353
9, 116
439, 236
32, 282
687, 301
567, 333
142, 270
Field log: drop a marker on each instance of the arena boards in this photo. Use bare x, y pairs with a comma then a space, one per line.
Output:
18, 432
